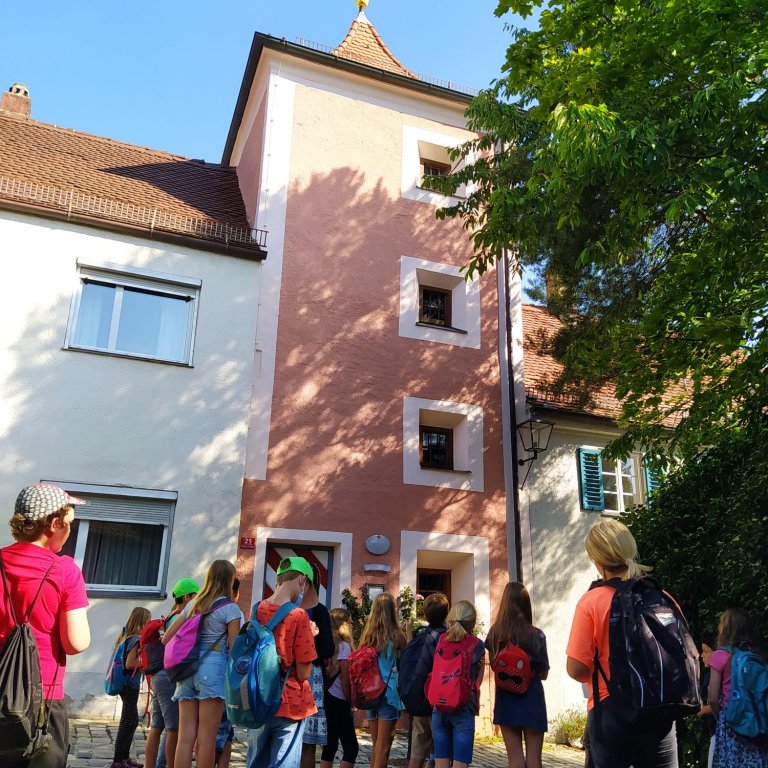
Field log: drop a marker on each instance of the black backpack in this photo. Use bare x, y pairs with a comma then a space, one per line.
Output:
414, 667
23, 711
653, 659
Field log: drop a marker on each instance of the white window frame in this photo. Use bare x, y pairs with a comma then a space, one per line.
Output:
81, 514
466, 421
640, 492
419, 143
464, 330
124, 276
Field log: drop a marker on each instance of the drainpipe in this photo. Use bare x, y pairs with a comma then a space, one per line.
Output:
509, 420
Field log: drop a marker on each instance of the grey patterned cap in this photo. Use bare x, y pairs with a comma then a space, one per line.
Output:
36, 502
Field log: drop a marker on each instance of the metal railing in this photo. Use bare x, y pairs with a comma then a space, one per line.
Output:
73, 202
440, 83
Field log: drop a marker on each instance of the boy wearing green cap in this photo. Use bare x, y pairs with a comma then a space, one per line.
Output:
279, 740
165, 711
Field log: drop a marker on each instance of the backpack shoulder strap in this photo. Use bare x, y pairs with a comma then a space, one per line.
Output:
282, 612
37, 594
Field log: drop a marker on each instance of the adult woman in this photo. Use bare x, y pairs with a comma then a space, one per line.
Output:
201, 696
615, 740
521, 716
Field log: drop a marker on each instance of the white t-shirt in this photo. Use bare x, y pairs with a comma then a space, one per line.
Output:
336, 689
215, 623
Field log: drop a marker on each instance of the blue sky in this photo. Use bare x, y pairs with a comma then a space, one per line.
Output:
165, 74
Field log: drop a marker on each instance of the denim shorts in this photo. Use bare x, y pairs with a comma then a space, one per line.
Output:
208, 681
165, 711
226, 733
453, 735
383, 712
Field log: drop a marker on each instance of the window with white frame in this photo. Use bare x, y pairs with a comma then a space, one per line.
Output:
120, 538
612, 486
438, 304
125, 310
425, 153
442, 444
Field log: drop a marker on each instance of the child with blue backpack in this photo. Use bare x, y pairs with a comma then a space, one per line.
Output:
201, 694
736, 635
278, 742
127, 651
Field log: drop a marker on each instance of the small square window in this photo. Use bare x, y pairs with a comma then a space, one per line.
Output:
123, 313
434, 306
436, 450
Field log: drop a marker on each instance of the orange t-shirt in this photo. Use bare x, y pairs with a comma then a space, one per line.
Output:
590, 631
294, 643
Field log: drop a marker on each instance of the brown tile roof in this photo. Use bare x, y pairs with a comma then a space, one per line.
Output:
363, 45
34, 153
541, 372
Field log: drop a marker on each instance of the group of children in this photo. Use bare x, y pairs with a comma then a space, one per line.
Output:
315, 647
317, 652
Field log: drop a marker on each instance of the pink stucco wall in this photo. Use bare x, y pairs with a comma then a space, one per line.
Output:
335, 448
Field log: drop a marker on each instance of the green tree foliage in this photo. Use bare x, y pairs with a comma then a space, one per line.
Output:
706, 535
623, 154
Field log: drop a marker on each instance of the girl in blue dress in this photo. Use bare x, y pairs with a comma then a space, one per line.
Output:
522, 717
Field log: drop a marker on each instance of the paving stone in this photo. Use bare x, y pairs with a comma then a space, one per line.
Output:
91, 747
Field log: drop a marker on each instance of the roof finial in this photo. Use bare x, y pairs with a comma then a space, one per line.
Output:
362, 4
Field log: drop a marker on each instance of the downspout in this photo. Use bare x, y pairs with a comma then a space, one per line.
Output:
509, 439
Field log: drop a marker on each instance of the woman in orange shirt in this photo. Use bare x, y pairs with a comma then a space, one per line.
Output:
615, 741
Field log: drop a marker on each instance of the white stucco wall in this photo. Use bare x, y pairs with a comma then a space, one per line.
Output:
86, 418
561, 571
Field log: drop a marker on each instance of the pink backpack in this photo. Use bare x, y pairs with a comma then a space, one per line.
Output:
183, 653
449, 685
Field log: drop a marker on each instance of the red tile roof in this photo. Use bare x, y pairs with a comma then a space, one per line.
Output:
34, 153
363, 45
541, 372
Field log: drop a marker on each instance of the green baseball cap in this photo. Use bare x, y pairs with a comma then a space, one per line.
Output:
299, 564
185, 587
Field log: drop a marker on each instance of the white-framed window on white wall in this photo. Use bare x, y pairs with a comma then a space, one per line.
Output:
124, 310
121, 537
614, 486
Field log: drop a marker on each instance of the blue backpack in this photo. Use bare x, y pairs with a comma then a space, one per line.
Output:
747, 711
118, 678
253, 684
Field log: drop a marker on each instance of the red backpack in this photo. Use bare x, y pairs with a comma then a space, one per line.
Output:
449, 685
368, 687
151, 649
512, 669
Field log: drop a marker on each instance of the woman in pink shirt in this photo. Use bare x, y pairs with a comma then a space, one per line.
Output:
46, 589
732, 750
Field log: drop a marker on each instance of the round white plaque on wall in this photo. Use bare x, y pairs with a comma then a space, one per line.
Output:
377, 544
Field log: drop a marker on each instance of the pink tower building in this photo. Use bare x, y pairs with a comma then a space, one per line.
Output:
377, 430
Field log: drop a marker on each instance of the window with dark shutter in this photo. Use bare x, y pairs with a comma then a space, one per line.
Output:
591, 479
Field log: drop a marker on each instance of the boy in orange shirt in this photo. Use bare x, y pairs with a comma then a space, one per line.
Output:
278, 742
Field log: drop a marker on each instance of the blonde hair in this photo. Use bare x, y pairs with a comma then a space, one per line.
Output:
137, 618
218, 583
341, 630
381, 627
611, 544
461, 621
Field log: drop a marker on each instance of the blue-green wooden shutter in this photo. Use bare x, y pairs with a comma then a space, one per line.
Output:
652, 478
591, 479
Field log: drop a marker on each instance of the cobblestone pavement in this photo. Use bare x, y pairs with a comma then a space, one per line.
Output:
91, 744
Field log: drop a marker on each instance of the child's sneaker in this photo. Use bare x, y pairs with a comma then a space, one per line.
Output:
131, 763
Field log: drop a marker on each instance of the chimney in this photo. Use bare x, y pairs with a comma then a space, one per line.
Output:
15, 101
